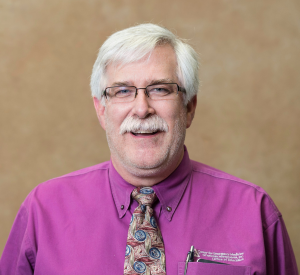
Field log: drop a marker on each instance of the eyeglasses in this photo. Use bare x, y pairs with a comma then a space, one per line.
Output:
161, 91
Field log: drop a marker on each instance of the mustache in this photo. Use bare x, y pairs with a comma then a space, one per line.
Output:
133, 124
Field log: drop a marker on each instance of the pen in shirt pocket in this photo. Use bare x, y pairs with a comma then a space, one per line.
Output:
190, 258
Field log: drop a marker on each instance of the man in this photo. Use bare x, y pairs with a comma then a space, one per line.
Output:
141, 212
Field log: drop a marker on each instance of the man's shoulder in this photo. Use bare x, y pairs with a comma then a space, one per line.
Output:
221, 176
79, 180
100, 167
84, 174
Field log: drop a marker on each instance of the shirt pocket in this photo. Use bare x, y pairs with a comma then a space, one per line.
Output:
195, 268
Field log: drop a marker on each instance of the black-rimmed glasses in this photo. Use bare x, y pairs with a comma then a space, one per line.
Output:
161, 91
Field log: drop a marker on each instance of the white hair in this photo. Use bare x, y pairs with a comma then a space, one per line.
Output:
132, 44
153, 123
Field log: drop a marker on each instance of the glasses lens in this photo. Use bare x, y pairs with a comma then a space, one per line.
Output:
121, 93
162, 91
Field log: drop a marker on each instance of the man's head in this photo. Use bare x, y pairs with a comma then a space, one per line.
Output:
145, 127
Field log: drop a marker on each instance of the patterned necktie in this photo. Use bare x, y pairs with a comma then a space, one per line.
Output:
145, 253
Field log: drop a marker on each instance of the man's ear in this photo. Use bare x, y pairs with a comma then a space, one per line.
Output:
190, 111
100, 111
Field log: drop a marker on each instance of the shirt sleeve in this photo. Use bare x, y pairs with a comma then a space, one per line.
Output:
17, 257
280, 259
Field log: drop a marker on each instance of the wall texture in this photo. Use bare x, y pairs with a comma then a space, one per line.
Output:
247, 122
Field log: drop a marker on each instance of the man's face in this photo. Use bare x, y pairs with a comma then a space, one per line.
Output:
146, 155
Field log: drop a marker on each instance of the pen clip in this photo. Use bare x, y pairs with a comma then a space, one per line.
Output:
189, 258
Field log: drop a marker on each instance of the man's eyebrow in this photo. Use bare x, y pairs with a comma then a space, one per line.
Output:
159, 81
152, 82
125, 83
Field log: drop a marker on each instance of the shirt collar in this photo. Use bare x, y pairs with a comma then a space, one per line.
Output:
169, 191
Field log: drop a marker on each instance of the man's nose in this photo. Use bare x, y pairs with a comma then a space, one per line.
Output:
142, 107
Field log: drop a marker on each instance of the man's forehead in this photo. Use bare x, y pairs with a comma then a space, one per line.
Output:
133, 80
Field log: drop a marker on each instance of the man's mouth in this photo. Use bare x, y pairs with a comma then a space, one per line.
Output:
144, 133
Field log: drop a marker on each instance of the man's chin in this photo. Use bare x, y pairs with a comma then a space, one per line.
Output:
145, 172
143, 168
147, 165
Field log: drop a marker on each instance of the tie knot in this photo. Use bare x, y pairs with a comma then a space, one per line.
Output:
144, 195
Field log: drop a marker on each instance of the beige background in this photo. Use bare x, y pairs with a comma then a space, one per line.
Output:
247, 122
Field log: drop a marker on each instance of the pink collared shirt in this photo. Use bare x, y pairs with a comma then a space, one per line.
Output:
78, 224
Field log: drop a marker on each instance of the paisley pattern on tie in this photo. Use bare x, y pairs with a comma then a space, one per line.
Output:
145, 253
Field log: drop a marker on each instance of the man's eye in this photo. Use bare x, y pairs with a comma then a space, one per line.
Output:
122, 92
160, 90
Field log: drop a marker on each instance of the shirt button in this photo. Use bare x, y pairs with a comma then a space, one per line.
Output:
122, 206
169, 209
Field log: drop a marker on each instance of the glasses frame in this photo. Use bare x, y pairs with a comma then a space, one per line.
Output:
179, 89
